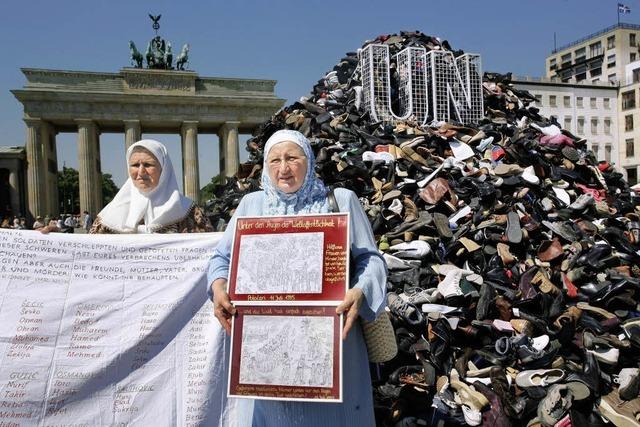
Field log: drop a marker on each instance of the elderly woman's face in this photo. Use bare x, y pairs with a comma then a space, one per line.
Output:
144, 170
287, 166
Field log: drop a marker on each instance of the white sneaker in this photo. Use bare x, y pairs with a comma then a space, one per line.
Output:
606, 355
414, 249
450, 285
473, 417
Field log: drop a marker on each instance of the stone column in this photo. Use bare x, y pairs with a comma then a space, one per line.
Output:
132, 133
14, 189
35, 170
90, 180
50, 160
229, 149
98, 176
190, 170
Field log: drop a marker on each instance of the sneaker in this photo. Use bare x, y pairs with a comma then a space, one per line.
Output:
618, 411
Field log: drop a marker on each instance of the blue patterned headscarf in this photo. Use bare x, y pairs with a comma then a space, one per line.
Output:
312, 195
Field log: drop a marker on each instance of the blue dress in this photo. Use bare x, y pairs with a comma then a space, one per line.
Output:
370, 276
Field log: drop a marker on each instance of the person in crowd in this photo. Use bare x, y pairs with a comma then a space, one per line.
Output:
150, 201
6, 223
16, 224
23, 223
290, 187
54, 225
38, 223
87, 221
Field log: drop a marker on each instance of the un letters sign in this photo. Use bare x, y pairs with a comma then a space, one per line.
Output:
431, 85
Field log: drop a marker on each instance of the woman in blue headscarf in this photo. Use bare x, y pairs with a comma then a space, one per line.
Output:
290, 187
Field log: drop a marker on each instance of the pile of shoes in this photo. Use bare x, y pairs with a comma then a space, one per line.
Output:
513, 255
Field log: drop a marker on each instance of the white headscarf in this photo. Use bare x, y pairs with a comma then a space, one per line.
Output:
311, 197
162, 206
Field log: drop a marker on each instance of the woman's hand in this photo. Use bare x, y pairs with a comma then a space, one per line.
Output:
351, 304
222, 307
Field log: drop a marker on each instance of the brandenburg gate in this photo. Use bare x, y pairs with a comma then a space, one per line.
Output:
132, 101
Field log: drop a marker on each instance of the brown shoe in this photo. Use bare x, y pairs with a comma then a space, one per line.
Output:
410, 209
572, 315
505, 254
549, 250
522, 326
504, 308
618, 411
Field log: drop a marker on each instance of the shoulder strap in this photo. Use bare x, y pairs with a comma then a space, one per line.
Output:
333, 203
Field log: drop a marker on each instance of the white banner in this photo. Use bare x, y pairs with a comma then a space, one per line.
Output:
109, 330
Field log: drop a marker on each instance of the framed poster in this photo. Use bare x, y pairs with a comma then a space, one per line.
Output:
290, 259
286, 352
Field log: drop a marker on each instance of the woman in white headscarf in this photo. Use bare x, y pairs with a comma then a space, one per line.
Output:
150, 201
291, 187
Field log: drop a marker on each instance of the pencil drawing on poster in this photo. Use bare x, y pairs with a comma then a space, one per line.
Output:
280, 263
287, 350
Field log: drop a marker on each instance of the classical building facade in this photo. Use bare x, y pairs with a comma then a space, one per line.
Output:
132, 101
12, 179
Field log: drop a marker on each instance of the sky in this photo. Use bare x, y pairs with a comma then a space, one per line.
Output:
293, 42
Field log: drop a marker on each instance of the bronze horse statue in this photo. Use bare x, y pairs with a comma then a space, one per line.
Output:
136, 57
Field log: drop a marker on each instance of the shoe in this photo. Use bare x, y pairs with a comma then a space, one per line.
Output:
406, 311
539, 377
629, 383
619, 412
467, 394
558, 400
513, 231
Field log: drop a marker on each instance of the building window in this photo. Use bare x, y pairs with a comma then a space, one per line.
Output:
566, 101
538, 100
632, 176
632, 39
612, 78
567, 123
632, 56
628, 122
628, 100
611, 60
565, 60
595, 49
579, 103
580, 54
607, 153
552, 101
580, 126
595, 80
596, 72
594, 126
611, 42
552, 64
592, 102
629, 147
607, 126
635, 75
606, 103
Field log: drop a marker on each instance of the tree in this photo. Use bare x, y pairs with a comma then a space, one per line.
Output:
109, 188
69, 190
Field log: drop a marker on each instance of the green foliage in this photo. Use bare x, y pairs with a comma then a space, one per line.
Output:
109, 188
69, 190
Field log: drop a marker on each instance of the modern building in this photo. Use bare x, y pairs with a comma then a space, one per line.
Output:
592, 88
588, 110
598, 57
